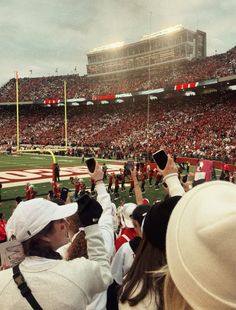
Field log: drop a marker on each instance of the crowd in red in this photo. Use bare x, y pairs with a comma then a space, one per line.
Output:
196, 126
83, 87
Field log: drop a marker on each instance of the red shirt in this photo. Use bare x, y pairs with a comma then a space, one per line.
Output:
3, 234
77, 186
28, 193
83, 186
56, 190
126, 235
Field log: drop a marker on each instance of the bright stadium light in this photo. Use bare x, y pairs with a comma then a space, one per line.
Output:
108, 46
119, 100
162, 32
104, 102
90, 103
153, 97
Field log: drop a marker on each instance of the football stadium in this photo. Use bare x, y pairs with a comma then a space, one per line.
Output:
138, 102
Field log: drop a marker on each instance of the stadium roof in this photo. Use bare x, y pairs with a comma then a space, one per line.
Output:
165, 31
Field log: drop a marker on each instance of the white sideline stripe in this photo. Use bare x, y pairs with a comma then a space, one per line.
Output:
47, 180
111, 168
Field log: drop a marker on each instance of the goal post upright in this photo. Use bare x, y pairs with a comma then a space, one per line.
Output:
65, 115
50, 151
17, 115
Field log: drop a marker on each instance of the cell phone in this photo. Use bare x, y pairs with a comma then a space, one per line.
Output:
128, 166
91, 164
160, 158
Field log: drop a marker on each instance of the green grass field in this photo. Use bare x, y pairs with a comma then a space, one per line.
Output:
29, 161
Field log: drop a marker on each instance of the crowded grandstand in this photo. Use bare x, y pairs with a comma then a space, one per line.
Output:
118, 230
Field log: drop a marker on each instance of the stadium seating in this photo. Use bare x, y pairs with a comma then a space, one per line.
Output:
42, 88
199, 126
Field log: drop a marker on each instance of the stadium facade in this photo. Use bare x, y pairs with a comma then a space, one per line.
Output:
166, 46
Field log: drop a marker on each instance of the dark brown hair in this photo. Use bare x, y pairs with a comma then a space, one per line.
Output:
148, 258
78, 247
36, 246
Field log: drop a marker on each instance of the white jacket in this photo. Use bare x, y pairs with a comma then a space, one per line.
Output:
59, 284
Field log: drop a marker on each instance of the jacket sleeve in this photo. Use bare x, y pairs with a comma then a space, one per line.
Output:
106, 222
174, 185
96, 270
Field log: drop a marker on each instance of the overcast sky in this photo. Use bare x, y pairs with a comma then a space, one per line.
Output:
45, 35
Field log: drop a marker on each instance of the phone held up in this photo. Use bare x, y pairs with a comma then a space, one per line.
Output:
160, 158
91, 164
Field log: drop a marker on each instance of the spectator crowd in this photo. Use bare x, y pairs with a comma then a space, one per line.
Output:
195, 126
132, 256
166, 75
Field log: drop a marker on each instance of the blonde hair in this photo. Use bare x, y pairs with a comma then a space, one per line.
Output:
172, 298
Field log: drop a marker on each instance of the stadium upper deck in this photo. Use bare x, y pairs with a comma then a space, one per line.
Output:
168, 45
168, 75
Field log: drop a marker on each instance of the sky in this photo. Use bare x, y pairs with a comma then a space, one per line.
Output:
52, 37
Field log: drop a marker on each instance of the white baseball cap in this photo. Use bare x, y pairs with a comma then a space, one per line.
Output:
201, 246
31, 216
127, 211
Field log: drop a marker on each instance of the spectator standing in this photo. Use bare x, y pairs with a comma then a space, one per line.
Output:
28, 191
110, 182
140, 289
43, 232
75, 181
56, 173
127, 231
202, 226
104, 169
116, 190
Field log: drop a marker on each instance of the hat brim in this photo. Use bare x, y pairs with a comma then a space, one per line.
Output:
65, 211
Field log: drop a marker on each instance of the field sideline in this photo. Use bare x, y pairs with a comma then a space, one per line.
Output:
16, 170
39, 166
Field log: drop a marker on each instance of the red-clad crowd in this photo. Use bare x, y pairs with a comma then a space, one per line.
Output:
52, 87
196, 126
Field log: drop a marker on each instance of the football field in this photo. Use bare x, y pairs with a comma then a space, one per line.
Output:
17, 170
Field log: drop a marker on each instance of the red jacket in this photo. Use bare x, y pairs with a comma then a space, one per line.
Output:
126, 235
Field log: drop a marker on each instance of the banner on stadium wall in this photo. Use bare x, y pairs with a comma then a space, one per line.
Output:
126, 95
186, 85
150, 91
227, 78
208, 82
104, 97
76, 100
